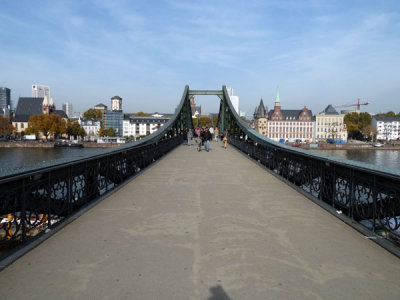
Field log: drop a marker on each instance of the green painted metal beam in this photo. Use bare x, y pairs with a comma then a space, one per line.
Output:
218, 93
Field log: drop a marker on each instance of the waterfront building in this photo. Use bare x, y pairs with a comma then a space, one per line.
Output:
100, 106
67, 107
136, 126
388, 128
5, 101
91, 127
284, 124
40, 91
329, 124
28, 106
113, 118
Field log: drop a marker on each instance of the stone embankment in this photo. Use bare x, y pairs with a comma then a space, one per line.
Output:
350, 147
40, 144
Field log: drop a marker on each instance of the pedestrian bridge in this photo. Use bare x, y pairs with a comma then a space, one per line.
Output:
160, 220
197, 225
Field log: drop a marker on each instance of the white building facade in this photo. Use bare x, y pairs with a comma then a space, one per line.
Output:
329, 124
388, 128
138, 126
91, 127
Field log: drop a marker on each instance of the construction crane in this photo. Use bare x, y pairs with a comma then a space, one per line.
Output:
358, 104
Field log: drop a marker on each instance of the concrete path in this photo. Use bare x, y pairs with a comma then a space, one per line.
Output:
205, 226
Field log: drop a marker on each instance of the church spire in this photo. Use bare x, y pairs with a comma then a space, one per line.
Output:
277, 99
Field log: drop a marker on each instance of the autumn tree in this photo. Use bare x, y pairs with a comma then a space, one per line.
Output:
75, 130
92, 113
215, 120
355, 122
5, 126
369, 132
142, 114
47, 124
106, 132
388, 114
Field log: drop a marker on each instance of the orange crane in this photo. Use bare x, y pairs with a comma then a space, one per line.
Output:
358, 104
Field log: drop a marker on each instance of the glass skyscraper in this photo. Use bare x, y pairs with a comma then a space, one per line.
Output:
5, 99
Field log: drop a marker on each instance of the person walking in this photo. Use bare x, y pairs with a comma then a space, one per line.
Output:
185, 136
190, 136
212, 132
216, 134
225, 138
197, 133
207, 138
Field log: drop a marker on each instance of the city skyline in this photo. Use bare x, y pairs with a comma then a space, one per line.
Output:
315, 52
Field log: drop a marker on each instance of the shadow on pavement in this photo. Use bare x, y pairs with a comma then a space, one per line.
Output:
218, 293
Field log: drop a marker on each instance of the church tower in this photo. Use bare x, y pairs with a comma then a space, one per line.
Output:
116, 103
277, 115
48, 106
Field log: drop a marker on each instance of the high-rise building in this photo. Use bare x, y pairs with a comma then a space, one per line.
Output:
67, 107
234, 99
40, 91
5, 100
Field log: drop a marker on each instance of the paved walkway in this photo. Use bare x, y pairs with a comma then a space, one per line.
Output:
204, 226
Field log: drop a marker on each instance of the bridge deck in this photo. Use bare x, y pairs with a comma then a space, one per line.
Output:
196, 226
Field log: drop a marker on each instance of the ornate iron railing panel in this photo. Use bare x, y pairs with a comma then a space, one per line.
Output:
371, 198
36, 201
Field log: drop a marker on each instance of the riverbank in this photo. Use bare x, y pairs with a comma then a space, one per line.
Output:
349, 147
40, 144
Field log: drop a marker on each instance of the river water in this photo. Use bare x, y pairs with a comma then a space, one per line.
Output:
381, 158
17, 157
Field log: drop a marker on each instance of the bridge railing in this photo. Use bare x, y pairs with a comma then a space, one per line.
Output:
35, 198
365, 193
359, 191
36, 201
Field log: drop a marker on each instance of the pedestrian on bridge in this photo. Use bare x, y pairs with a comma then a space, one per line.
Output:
216, 134
185, 136
190, 136
225, 138
207, 138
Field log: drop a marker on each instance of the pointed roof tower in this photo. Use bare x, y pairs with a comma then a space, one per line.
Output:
260, 111
45, 101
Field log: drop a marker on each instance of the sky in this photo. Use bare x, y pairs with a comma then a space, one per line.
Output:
315, 52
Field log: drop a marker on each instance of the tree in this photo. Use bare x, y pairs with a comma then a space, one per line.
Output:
110, 132
388, 114
215, 120
369, 132
5, 126
58, 125
75, 130
204, 122
46, 124
92, 113
142, 114
356, 122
